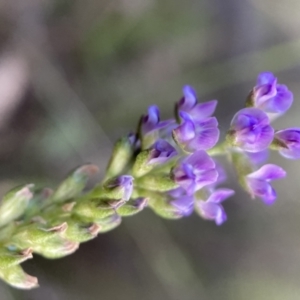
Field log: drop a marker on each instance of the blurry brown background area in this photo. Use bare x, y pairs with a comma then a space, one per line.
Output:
77, 74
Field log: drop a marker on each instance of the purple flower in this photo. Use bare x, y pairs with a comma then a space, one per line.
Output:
195, 171
122, 186
162, 151
270, 96
288, 141
198, 111
151, 121
250, 130
212, 209
258, 182
196, 135
183, 203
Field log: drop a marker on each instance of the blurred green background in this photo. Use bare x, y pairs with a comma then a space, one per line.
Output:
75, 75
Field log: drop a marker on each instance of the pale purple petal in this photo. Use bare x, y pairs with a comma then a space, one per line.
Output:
290, 139
220, 195
207, 135
265, 78
185, 132
262, 189
195, 172
258, 158
280, 102
184, 205
189, 99
162, 152
268, 172
203, 110
212, 211
200, 160
206, 178
251, 130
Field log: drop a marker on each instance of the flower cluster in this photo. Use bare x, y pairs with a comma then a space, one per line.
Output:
167, 165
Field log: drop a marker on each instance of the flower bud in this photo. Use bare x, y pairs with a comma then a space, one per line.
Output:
132, 207
35, 235
57, 247
77, 232
12, 258
121, 156
16, 277
159, 154
117, 188
74, 184
157, 182
109, 223
93, 209
14, 204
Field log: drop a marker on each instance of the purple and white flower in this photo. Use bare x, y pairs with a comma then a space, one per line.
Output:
198, 111
194, 135
195, 171
212, 209
288, 141
270, 96
250, 130
258, 182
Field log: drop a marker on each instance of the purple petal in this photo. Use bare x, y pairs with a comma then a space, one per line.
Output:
200, 160
251, 130
212, 211
281, 102
261, 189
265, 78
290, 138
184, 204
151, 119
207, 135
162, 152
268, 172
258, 158
220, 195
204, 110
206, 178
185, 132
189, 99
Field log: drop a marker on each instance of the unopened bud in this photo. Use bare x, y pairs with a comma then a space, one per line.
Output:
14, 204
132, 207
16, 277
74, 184
122, 154
157, 182
109, 223
12, 258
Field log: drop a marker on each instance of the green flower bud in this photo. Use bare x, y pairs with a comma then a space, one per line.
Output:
122, 154
132, 207
93, 209
12, 258
161, 206
157, 182
74, 184
77, 232
35, 235
16, 277
109, 223
56, 247
117, 188
14, 204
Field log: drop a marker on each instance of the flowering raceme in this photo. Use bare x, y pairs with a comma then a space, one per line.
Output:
169, 166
